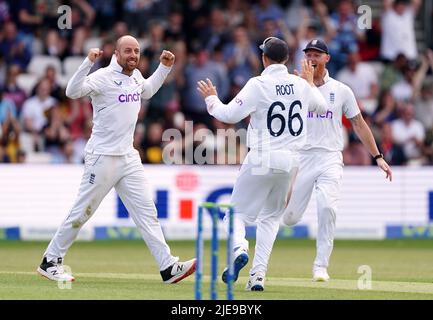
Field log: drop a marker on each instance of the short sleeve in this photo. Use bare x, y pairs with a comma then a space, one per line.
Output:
350, 106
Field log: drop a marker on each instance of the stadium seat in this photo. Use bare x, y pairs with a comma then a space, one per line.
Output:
27, 82
39, 64
92, 43
71, 64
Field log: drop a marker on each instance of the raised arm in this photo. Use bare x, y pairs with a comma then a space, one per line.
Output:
233, 112
316, 101
80, 85
426, 61
152, 84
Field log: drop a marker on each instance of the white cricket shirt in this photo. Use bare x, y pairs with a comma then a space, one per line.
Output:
116, 100
325, 132
398, 34
278, 103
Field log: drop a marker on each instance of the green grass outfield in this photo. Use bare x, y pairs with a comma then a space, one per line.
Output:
401, 269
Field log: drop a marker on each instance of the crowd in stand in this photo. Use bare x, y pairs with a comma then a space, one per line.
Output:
391, 78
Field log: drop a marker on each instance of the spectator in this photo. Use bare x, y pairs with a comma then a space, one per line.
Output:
77, 43
392, 152
4, 158
9, 130
362, 79
393, 72
55, 134
174, 31
48, 11
4, 12
235, 12
78, 117
24, 13
410, 134
386, 110
137, 14
216, 33
403, 90
267, 10
346, 36
33, 116
7, 107
241, 56
3, 70
55, 45
319, 27
85, 11
355, 154
196, 14
56, 91
152, 143
200, 68
11, 48
424, 105
105, 14
423, 92
398, 29
12, 90
156, 41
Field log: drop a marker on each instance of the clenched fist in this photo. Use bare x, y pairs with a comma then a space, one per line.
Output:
94, 54
167, 58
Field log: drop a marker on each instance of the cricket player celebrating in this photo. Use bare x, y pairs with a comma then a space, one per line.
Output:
111, 161
321, 160
277, 103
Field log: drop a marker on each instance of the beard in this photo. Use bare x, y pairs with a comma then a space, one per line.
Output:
129, 64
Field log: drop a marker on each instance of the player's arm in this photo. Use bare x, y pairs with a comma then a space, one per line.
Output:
80, 84
236, 110
366, 136
152, 84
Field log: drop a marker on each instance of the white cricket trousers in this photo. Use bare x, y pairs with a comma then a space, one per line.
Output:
323, 172
260, 197
126, 174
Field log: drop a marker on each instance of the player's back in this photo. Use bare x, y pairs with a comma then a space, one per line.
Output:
279, 119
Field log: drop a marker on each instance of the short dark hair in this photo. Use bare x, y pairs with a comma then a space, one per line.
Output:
275, 49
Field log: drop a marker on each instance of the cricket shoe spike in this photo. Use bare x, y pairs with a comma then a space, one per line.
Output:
53, 270
178, 271
240, 260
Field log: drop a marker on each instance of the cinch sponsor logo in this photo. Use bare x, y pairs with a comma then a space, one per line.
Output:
129, 97
327, 115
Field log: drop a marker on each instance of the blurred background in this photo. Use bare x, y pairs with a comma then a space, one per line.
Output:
388, 65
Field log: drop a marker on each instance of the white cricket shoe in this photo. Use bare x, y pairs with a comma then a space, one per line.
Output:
240, 260
53, 270
256, 282
320, 274
178, 271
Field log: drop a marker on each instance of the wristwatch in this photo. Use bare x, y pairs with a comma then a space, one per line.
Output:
380, 155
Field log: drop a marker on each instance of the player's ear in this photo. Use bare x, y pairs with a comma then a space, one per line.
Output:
328, 57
